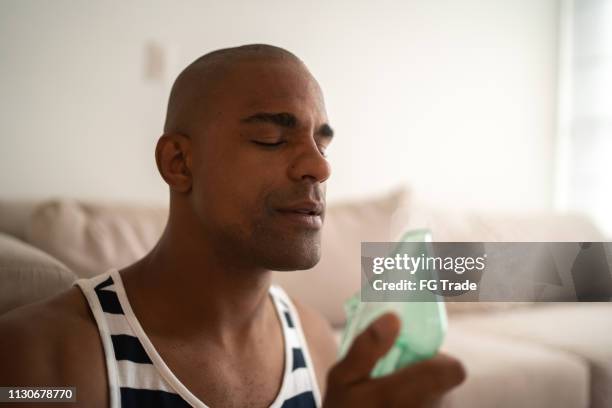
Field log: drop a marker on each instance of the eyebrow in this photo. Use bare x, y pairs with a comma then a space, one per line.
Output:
286, 120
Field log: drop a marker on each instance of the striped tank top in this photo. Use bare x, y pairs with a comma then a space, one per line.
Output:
137, 375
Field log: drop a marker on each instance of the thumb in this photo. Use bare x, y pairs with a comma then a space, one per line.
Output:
367, 348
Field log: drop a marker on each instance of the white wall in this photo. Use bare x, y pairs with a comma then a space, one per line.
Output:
453, 97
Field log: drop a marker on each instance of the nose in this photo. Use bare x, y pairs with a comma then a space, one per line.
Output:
309, 163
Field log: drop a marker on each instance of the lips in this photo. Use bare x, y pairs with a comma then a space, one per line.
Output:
307, 213
305, 207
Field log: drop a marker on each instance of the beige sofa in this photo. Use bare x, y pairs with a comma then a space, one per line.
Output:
516, 355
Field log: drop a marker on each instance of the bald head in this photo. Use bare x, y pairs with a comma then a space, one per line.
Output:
192, 98
244, 155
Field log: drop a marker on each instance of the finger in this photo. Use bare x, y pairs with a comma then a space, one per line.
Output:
426, 380
366, 349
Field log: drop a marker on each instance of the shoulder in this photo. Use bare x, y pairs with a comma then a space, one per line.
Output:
320, 338
54, 342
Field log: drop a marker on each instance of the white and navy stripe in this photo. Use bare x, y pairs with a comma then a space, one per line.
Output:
138, 377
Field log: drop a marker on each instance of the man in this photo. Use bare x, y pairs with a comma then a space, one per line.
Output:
196, 321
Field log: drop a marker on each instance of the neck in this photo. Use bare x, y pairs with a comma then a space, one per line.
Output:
196, 290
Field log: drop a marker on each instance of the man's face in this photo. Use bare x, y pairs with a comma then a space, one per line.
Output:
259, 166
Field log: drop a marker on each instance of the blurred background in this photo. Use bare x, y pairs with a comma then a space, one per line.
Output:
477, 104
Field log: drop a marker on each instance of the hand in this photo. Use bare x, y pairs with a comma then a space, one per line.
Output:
416, 386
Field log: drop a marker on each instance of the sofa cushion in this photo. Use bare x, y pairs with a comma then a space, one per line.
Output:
91, 238
580, 329
505, 373
28, 274
449, 225
15, 216
467, 226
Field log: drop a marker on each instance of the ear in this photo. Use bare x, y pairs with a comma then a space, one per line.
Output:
174, 161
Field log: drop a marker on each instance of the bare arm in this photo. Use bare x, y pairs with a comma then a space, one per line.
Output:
25, 355
54, 343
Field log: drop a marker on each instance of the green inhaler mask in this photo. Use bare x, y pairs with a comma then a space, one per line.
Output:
423, 323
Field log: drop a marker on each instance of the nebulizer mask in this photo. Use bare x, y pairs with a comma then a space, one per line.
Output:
423, 317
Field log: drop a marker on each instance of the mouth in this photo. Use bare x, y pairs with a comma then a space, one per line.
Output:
308, 214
